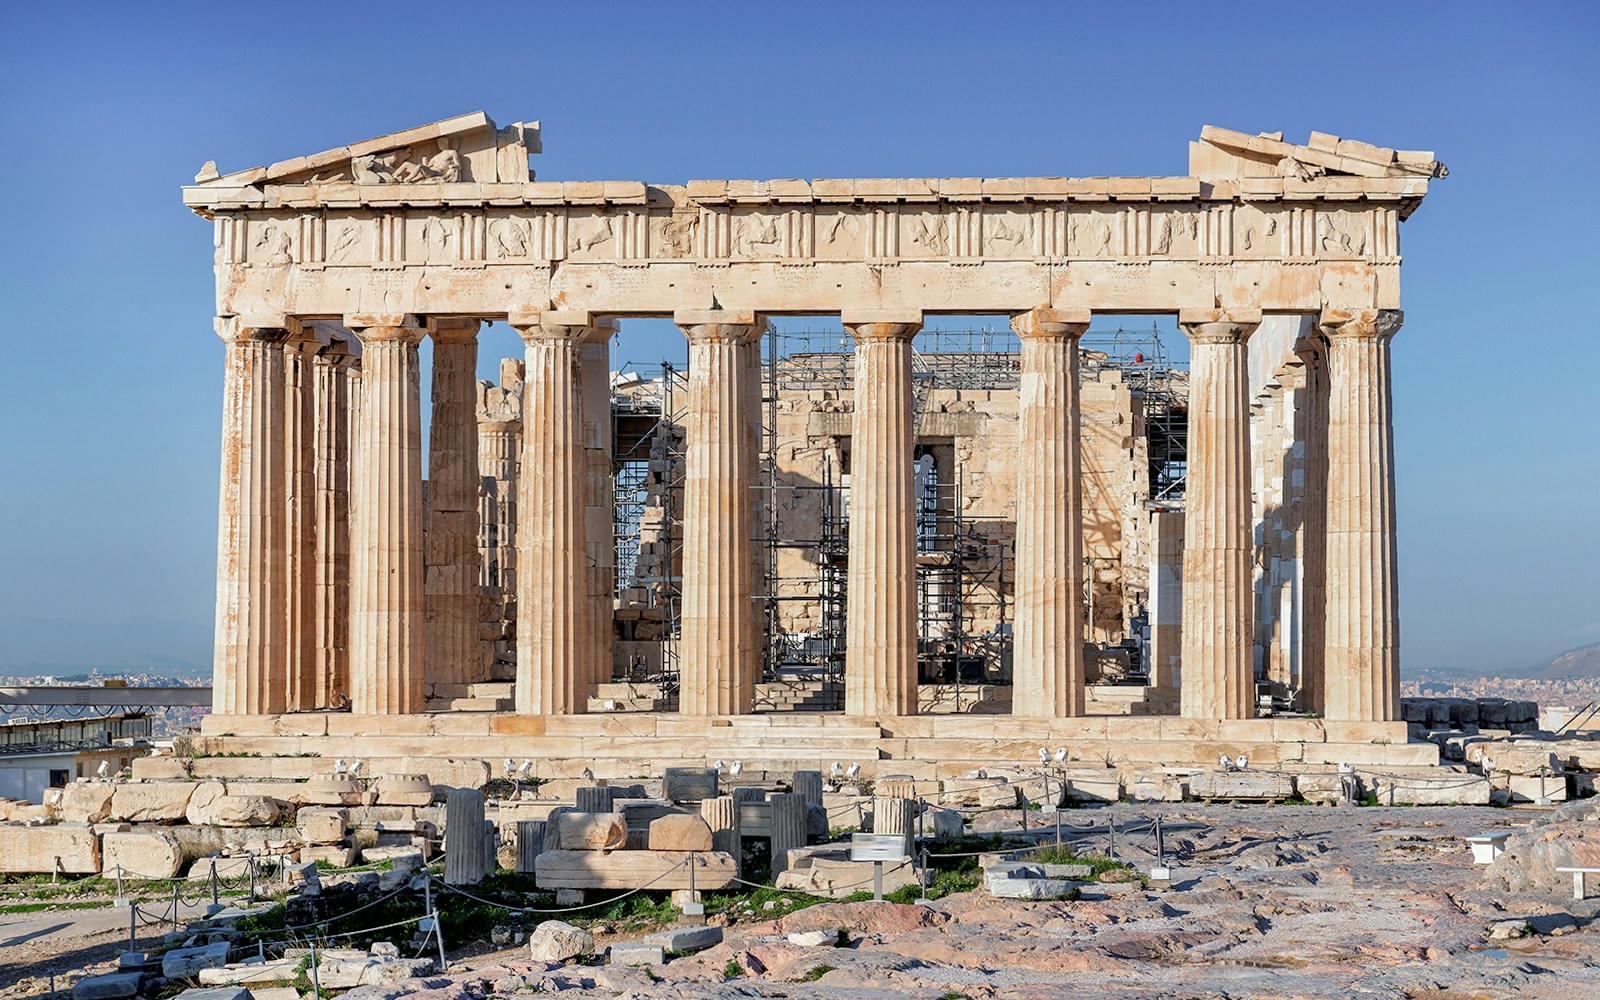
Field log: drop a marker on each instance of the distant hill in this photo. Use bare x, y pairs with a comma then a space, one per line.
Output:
1583, 661
30, 646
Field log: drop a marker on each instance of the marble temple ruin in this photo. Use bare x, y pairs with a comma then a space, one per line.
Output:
360, 608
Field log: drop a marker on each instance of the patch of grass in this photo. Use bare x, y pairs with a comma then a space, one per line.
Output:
733, 970
1098, 864
65, 905
1296, 800
841, 832
787, 901
815, 973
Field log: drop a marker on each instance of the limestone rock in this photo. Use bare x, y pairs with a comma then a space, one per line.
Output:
26, 849
109, 987
211, 805
322, 825
86, 802
636, 953
1241, 785
143, 854
679, 833
596, 832
151, 801
684, 939
186, 963
1029, 888
557, 941
814, 939
338, 792
405, 790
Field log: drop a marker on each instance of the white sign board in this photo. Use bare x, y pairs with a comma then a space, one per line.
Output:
877, 847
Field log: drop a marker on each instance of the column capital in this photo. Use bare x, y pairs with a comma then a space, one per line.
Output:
241, 329
453, 329
1360, 324
720, 326
379, 328
882, 324
892, 325
534, 325
335, 353
1050, 324
1219, 326
1310, 350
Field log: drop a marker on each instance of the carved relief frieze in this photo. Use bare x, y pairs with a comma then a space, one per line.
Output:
673, 235
1342, 233
1008, 233
1176, 232
436, 239
756, 234
591, 235
1259, 231
271, 241
1095, 233
522, 237
350, 241
924, 233
841, 232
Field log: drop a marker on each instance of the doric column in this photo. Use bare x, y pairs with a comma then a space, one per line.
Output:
386, 602
300, 519
1218, 591
1362, 630
1312, 545
499, 452
719, 656
881, 600
1047, 670
450, 572
599, 499
553, 605
331, 450
252, 585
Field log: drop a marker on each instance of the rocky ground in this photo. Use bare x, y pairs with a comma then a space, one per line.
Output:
1266, 901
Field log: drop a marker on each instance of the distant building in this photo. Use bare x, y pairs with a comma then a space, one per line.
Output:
36, 756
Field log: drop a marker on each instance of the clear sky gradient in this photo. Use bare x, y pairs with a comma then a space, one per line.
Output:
110, 381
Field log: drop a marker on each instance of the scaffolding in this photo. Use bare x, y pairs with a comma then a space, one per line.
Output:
1163, 386
964, 633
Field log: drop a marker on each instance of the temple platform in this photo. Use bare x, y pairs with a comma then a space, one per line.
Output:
641, 745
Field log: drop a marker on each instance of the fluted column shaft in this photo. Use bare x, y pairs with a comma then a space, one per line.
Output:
553, 605
599, 499
880, 600
1313, 542
1362, 624
1218, 577
299, 431
1047, 659
719, 653
251, 653
386, 544
498, 444
450, 574
331, 448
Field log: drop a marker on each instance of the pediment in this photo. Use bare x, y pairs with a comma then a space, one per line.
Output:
465, 149
1223, 154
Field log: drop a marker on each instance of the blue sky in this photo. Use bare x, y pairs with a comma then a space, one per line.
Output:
110, 383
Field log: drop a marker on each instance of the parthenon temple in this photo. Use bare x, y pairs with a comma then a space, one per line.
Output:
847, 528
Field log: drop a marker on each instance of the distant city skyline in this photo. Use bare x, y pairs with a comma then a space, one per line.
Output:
110, 392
